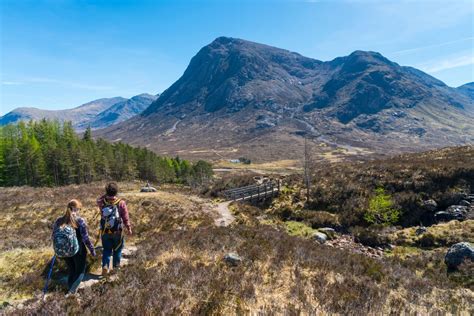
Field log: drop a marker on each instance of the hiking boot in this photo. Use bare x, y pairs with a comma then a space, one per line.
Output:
105, 272
115, 270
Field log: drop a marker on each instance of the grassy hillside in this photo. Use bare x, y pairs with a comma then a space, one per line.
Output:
345, 189
178, 268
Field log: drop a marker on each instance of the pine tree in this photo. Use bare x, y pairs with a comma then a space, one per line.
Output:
51, 153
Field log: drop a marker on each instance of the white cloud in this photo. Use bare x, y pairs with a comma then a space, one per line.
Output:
11, 83
62, 83
415, 49
448, 63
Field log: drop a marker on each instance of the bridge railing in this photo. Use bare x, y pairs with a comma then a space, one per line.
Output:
254, 192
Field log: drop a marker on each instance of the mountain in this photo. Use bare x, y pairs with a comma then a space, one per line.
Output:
467, 89
242, 98
120, 111
98, 113
80, 113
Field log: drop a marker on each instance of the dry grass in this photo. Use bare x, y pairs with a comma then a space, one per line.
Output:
178, 268
441, 235
279, 166
346, 188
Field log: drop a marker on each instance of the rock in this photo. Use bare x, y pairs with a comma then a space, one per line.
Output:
330, 232
420, 230
457, 253
430, 205
232, 259
464, 203
129, 251
457, 197
390, 247
148, 189
320, 237
454, 212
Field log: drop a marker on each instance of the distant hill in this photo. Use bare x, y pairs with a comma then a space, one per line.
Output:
98, 113
240, 98
467, 89
120, 111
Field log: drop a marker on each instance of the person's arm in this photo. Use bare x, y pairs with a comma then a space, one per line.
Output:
55, 225
85, 236
123, 211
100, 202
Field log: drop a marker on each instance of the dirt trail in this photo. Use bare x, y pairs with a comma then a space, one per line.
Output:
94, 277
225, 217
220, 211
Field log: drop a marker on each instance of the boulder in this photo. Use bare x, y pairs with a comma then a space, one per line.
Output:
320, 237
148, 189
390, 247
420, 230
454, 212
330, 232
232, 259
430, 205
457, 253
465, 203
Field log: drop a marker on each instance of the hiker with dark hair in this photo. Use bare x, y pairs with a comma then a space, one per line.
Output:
70, 239
114, 219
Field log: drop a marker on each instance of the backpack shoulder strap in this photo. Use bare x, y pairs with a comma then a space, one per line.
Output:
114, 203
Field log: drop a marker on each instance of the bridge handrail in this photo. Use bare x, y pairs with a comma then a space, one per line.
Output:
247, 188
252, 190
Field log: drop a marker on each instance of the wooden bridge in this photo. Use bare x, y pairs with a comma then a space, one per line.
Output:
254, 193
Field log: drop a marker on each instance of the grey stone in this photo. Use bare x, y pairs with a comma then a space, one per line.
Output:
420, 230
148, 189
454, 212
320, 237
430, 205
457, 253
232, 259
330, 232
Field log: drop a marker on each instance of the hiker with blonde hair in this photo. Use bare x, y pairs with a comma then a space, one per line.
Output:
70, 240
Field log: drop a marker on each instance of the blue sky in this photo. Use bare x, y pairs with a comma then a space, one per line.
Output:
60, 54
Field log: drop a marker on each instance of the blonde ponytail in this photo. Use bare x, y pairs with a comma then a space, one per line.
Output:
70, 218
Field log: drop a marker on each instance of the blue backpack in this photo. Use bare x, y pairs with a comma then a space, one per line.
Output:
65, 241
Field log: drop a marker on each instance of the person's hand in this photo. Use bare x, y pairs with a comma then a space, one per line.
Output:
129, 230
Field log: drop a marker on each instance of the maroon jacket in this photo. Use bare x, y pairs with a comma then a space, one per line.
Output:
122, 207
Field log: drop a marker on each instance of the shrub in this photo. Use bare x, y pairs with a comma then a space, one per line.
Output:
427, 240
381, 210
372, 237
319, 219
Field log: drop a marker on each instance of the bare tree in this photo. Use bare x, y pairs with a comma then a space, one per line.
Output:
307, 168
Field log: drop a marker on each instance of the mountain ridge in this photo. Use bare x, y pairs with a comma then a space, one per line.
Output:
92, 113
240, 98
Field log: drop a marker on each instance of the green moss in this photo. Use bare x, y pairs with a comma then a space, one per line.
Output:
299, 229
404, 251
